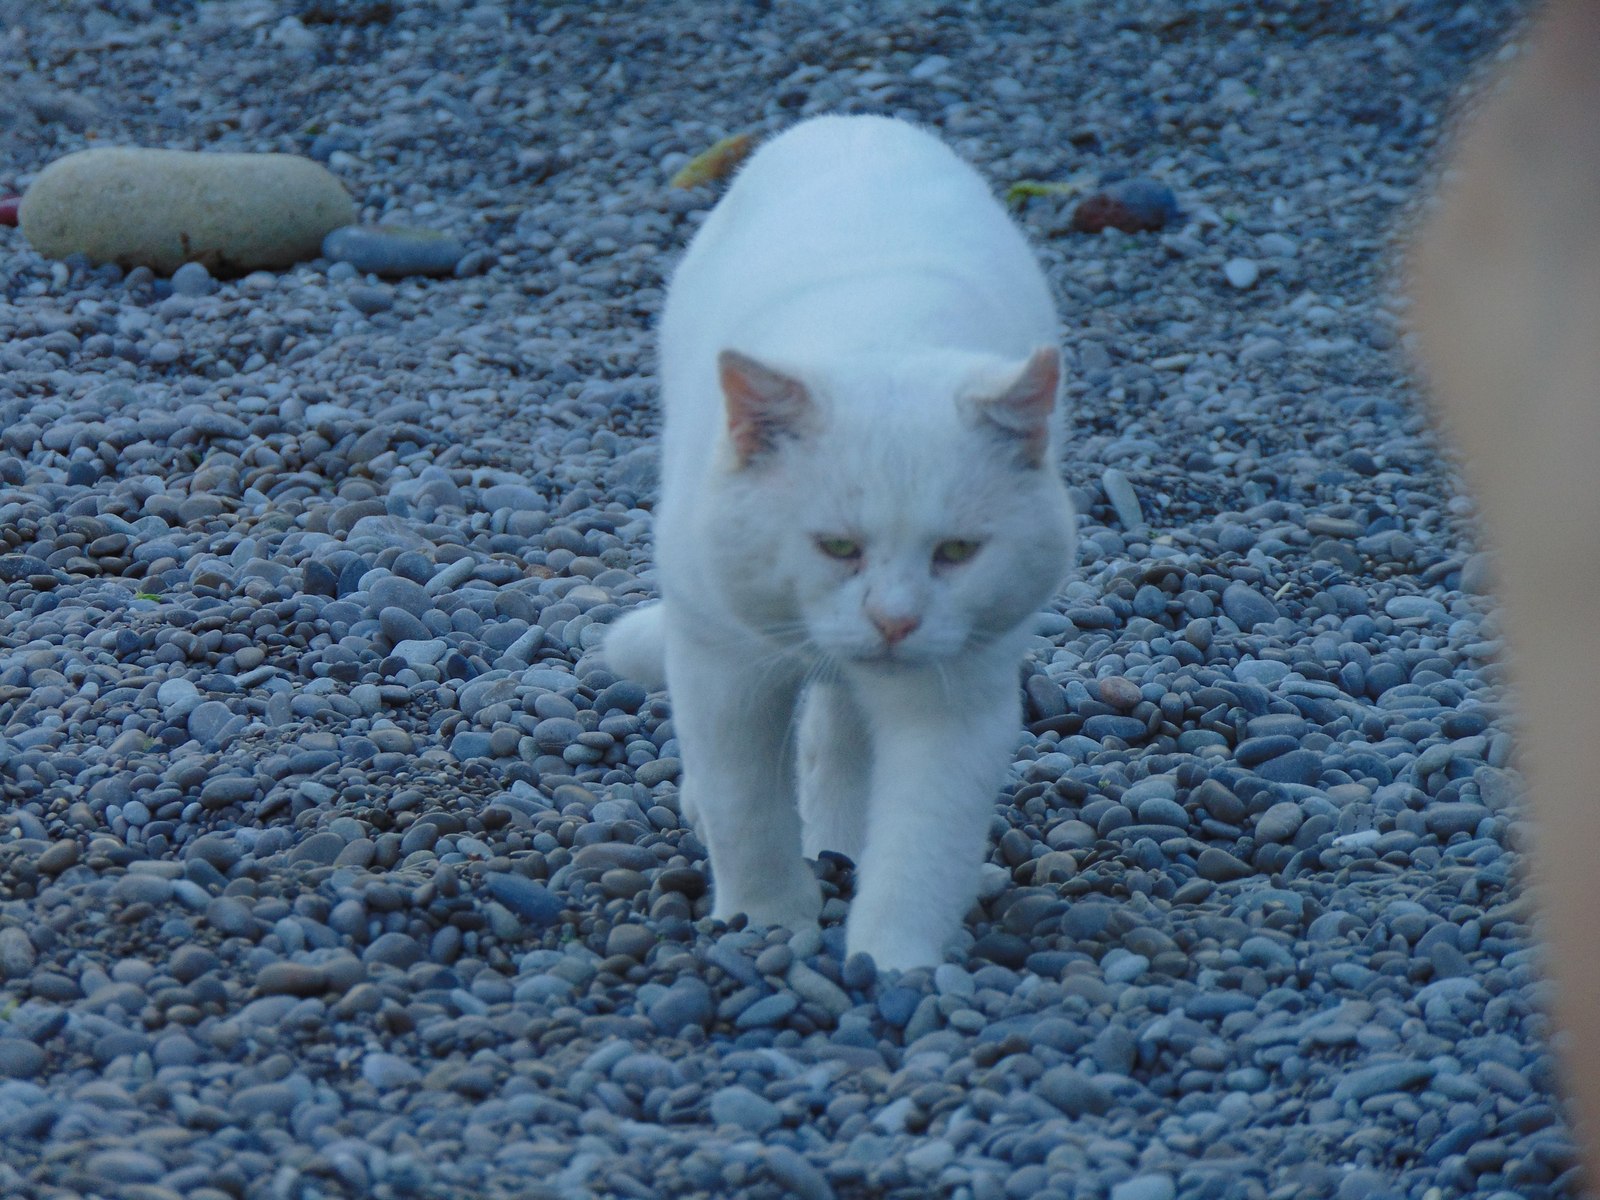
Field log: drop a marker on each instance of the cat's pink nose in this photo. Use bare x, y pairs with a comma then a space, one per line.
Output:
894, 628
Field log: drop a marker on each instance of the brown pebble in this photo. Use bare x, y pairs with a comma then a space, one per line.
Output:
58, 857
1120, 693
622, 883
291, 979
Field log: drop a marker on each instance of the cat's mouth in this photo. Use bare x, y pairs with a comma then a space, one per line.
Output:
890, 657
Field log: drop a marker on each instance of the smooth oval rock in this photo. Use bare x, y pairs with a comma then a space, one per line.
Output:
1247, 607
135, 206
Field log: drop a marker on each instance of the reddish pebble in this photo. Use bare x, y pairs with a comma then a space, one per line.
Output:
1133, 206
1120, 693
8, 209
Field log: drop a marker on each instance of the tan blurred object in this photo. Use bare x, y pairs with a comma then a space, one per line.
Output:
1506, 279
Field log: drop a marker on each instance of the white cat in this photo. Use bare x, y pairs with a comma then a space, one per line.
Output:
859, 514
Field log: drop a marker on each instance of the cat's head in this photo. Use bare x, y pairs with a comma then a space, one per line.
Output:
892, 511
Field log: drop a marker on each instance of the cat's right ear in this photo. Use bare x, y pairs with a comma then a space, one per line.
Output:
763, 405
1022, 407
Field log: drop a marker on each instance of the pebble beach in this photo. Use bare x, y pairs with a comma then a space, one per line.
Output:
334, 863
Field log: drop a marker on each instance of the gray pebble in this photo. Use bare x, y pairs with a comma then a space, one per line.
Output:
17, 955
1073, 1092
1247, 607
387, 1072
531, 901
1145, 1187
192, 279
1122, 497
370, 300
1280, 822
393, 250
20, 1059
740, 1106
1241, 273
1382, 1077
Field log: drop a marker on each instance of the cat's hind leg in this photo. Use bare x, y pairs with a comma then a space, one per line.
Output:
835, 751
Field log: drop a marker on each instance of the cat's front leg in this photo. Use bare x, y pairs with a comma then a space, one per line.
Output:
835, 771
733, 716
941, 744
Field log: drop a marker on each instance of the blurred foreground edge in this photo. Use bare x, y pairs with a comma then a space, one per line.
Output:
1505, 278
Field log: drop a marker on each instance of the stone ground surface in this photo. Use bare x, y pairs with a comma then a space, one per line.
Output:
332, 864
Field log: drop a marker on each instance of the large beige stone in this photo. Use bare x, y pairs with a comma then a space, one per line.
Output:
163, 208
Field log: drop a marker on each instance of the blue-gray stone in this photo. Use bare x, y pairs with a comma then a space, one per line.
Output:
1256, 750
388, 1071
1073, 1092
686, 1002
207, 720
230, 916
1415, 607
396, 591
1122, 497
395, 949
264, 1099
1247, 607
192, 279
470, 743
1219, 866
399, 625
794, 1173
393, 250
20, 1059
420, 653
125, 1166
769, 1010
1104, 725
657, 771
1158, 810
1298, 766
1382, 1077
554, 734
1445, 820
736, 1105
529, 900
1280, 822
896, 1004
369, 300
1145, 1187
178, 698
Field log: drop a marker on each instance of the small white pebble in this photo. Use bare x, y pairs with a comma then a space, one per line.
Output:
1241, 272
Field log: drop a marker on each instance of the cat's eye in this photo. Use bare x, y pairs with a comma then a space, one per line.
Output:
953, 551
842, 548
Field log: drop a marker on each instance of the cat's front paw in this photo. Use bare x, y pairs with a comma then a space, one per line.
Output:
893, 948
796, 908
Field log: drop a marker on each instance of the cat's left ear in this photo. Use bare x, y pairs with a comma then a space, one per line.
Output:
1022, 407
763, 405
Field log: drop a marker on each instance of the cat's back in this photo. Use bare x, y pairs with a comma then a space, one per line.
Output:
834, 186
868, 150
846, 230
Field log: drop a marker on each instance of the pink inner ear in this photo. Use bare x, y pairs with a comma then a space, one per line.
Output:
763, 405
1024, 407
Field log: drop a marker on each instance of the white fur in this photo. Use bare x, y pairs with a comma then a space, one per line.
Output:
860, 257
635, 646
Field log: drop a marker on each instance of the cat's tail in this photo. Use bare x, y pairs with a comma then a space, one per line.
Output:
635, 646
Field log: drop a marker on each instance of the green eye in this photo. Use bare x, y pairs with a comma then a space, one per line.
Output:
955, 550
842, 548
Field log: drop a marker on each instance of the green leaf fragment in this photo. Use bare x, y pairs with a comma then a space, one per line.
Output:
1026, 189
